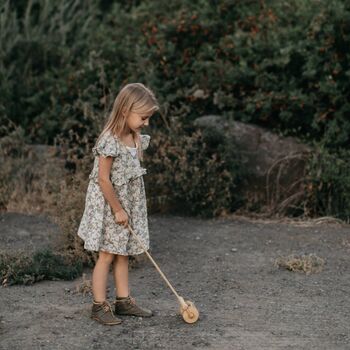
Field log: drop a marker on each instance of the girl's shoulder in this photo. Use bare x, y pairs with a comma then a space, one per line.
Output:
107, 145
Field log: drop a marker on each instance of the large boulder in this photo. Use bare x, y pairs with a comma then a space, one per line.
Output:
275, 165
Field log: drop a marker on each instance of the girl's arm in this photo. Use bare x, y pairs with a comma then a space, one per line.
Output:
104, 169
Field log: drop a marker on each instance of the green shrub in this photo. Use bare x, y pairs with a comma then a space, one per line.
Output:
283, 65
196, 174
42, 265
327, 186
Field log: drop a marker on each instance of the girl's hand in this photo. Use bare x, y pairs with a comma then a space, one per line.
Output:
121, 217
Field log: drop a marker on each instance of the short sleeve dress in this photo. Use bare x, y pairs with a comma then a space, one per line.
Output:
98, 228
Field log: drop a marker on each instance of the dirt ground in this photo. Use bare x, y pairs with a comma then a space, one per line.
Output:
225, 266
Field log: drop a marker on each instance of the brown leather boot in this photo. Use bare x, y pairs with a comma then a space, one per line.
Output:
103, 313
127, 306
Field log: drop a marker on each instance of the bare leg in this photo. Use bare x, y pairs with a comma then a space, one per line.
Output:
121, 275
100, 275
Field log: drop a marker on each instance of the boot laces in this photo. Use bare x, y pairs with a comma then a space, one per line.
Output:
106, 307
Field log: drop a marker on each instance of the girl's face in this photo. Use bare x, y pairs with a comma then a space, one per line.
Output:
136, 121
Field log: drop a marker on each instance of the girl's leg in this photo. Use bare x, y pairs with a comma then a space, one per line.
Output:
121, 275
100, 275
124, 303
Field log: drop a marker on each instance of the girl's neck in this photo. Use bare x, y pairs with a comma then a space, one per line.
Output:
128, 137
127, 132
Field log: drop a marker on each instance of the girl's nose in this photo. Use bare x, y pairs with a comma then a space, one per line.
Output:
146, 122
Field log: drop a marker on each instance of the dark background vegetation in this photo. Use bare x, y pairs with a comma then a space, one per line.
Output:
283, 65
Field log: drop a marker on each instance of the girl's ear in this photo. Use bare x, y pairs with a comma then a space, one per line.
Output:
124, 112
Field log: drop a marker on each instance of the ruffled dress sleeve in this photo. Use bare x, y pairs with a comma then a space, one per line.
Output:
145, 139
106, 146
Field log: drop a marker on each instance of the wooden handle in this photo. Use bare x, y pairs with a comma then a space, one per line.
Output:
181, 300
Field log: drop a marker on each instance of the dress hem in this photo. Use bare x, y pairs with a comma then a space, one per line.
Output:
116, 253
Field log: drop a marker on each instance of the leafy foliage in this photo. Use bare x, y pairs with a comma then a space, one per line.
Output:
196, 174
327, 188
284, 65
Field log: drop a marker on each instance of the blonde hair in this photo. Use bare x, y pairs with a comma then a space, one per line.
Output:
136, 98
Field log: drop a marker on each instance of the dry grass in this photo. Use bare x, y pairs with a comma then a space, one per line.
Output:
280, 198
307, 264
84, 287
66, 212
267, 218
46, 187
33, 180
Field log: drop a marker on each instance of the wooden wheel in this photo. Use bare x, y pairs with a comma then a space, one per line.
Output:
189, 313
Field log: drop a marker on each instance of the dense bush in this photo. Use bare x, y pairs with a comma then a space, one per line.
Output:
30, 175
196, 174
43, 265
280, 64
327, 188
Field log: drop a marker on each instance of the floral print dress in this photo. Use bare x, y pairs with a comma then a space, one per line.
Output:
98, 228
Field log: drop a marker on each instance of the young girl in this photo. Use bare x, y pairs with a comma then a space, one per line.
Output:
115, 198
